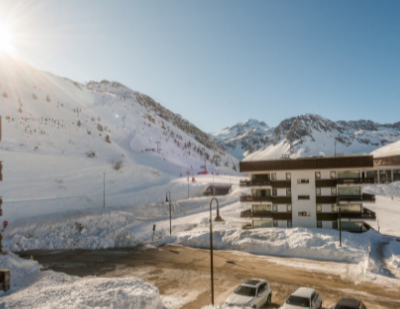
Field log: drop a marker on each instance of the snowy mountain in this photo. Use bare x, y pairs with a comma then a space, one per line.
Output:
305, 135
59, 137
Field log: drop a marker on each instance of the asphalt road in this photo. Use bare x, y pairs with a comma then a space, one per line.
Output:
182, 274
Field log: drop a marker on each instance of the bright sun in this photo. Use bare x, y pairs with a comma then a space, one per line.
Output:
5, 40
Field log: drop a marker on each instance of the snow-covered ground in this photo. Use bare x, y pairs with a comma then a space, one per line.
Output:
33, 289
60, 136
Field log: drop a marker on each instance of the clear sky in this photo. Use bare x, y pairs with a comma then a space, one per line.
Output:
219, 62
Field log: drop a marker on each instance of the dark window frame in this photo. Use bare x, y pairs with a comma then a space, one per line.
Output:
319, 224
303, 197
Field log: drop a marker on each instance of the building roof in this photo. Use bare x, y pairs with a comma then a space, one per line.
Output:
303, 292
341, 161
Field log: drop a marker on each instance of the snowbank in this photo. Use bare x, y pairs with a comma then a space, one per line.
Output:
101, 228
49, 289
316, 244
392, 252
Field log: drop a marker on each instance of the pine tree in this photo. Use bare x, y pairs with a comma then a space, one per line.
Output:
5, 94
48, 98
78, 123
108, 140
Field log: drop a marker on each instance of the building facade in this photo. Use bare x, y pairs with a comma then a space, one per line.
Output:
309, 192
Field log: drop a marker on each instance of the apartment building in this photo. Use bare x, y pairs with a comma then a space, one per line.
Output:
309, 192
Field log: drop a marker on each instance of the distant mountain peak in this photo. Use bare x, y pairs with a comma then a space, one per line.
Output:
305, 135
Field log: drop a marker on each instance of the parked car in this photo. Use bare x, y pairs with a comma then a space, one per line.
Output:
350, 303
303, 298
253, 293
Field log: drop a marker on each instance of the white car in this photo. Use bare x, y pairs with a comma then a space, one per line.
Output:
303, 298
253, 293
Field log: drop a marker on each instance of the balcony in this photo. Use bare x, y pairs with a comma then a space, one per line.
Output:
254, 183
259, 183
323, 183
366, 214
356, 198
344, 181
273, 199
326, 199
266, 214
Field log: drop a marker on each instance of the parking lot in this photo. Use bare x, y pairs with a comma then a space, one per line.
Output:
182, 274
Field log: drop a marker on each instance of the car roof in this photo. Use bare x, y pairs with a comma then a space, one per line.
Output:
303, 292
349, 302
253, 282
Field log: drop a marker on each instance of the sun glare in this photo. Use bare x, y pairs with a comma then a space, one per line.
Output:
5, 40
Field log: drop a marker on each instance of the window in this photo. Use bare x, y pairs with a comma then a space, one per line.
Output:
261, 208
334, 208
317, 175
275, 223
304, 214
349, 174
303, 197
299, 181
319, 224
289, 208
289, 224
288, 176
333, 191
262, 223
333, 174
261, 289
350, 191
352, 226
266, 192
260, 177
288, 192
319, 208
318, 191
274, 192
273, 176
274, 208
334, 225
351, 208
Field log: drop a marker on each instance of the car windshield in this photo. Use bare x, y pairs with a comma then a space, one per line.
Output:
298, 301
245, 291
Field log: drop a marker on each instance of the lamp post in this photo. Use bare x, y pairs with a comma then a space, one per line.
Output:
217, 219
340, 225
166, 200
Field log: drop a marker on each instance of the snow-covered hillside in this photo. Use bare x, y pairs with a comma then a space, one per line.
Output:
305, 135
60, 136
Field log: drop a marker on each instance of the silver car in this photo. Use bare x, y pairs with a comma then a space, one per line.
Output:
253, 293
303, 298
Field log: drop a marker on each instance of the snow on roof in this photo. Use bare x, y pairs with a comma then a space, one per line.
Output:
392, 149
303, 292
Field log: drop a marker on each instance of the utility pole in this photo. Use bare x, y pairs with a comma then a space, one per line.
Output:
335, 147
166, 200
104, 190
123, 120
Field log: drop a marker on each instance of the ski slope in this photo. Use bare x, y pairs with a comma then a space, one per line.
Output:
59, 138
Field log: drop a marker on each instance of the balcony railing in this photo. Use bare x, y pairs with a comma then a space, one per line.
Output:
259, 183
266, 214
254, 183
343, 181
321, 183
273, 199
356, 198
333, 216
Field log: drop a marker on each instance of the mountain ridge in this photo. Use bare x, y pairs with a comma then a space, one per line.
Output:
306, 135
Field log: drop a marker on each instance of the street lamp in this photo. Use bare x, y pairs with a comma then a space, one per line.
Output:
217, 219
166, 200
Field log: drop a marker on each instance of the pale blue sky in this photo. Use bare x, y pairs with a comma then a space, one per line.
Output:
220, 62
